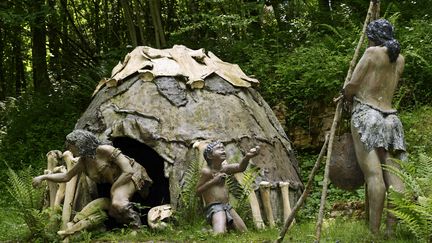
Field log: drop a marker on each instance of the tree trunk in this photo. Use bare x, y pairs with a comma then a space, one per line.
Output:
141, 22
54, 41
97, 34
157, 23
278, 15
41, 81
20, 81
129, 21
170, 5
2, 58
324, 14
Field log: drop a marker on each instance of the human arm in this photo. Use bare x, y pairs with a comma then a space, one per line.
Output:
353, 85
60, 177
240, 167
207, 180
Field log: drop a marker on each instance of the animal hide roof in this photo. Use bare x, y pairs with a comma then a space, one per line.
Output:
193, 65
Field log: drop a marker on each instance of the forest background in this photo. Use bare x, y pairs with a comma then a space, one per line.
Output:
54, 52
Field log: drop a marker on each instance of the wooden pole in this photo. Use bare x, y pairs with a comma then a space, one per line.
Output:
305, 193
373, 7
327, 169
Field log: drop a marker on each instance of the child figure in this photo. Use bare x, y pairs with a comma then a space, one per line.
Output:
211, 187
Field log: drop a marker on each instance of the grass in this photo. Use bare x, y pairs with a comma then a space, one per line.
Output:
12, 228
334, 230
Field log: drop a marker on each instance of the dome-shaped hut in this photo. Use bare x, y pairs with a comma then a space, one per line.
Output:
158, 103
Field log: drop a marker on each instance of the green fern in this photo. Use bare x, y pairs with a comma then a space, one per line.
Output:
29, 200
21, 189
190, 206
414, 206
241, 191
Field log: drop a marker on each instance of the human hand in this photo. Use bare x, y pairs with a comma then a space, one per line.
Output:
67, 155
54, 153
220, 177
253, 152
36, 181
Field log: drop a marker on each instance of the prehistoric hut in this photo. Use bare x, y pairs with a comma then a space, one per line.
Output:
158, 103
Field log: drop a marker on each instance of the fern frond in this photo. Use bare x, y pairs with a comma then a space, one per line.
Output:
414, 206
28, 199
425, 166
411, 222
242, 190
189, 202
20, 188
332, 29
408, 179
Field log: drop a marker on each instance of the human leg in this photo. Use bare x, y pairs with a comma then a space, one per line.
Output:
237, 221
219, 222
396, 184
95, 206
91, 221
121, 207
370, 164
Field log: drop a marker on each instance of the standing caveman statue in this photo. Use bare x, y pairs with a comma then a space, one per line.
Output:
211, 187
105, 164
376, 129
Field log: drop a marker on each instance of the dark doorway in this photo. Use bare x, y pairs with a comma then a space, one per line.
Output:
154, 165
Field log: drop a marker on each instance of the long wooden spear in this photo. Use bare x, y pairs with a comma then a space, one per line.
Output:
373, 12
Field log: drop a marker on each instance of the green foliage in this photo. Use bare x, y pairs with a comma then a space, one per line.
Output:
418, 130
34, 126
312, 203
417, 49
190, 208
414, 205
42, 224
241, 192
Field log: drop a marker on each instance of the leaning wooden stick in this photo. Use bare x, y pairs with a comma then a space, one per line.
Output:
305, 193
373, 7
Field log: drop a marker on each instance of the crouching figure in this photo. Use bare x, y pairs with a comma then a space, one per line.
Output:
105, 164
211, 186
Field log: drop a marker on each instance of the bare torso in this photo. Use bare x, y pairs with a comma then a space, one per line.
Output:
375, 78
101, 170
216, 193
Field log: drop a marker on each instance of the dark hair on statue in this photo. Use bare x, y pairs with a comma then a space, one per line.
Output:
85, 141
381, 32
208, 150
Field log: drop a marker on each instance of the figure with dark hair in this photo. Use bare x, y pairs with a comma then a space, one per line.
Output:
211, 186
105, 164
376, 129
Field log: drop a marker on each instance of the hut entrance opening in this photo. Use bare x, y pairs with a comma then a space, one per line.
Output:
154, 165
